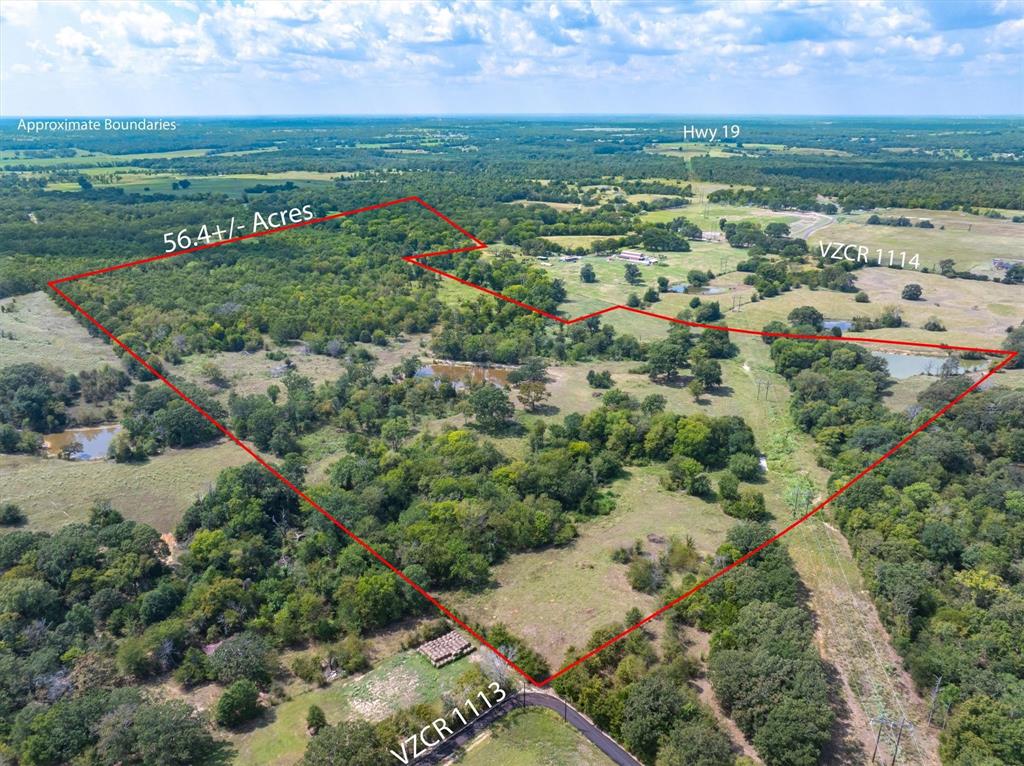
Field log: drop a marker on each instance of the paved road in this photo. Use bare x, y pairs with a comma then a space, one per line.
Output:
805, 230
573, 717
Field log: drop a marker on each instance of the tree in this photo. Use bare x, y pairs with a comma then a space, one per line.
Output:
806, 315
664, 359
395, 431
350, 743
587, 273
912, 292
652, 705
696, 388
695, 743
662, 284
315, 719
161, 734
708, 372
1015, 342
600, 379
491, 407
245, 656
632, 273
239, 703
531, 393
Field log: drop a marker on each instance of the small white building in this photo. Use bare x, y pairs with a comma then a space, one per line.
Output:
712, 236
634, 256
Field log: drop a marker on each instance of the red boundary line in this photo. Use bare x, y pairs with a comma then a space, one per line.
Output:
479, 245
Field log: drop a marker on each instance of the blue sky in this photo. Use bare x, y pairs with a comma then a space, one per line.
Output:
433, 57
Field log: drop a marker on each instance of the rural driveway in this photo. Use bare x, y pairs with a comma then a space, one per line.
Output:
551, 701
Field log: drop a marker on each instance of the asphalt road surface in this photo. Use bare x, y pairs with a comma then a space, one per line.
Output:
573, 717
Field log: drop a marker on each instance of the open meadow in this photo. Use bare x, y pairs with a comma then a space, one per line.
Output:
531, 737
56, 492
400, 681
34, 329
971, 241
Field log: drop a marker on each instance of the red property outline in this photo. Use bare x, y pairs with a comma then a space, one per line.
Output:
479, 245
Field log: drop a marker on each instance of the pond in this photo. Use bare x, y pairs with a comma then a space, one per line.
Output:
458, 372
94, 441
684, 288
842, 324
902, 366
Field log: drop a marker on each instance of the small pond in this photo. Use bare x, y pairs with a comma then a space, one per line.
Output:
684, 288
94, 441
458, 372
902, 366
842, 324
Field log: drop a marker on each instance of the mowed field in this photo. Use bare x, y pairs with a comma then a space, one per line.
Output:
971, 241
402, 680
531, 737
46, 334
707, 216
56, 492
163, 183
974, 313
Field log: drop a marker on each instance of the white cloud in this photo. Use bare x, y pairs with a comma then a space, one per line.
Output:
543, 43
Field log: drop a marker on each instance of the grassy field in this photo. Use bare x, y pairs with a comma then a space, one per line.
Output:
534, 588
56, 492
44, 333
92, 159
971, 241
163, 183
974, 313
707, 216
612, 289
251, 373
532, 737
402, 680
686, 150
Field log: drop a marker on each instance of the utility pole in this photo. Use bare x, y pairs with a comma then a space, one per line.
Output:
899, 736
935, 694
883, 720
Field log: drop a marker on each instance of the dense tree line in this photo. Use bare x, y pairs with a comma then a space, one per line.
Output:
864, 183
937, 530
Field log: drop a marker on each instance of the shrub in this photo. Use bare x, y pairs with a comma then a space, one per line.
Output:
11, 515
239, 703
745, 467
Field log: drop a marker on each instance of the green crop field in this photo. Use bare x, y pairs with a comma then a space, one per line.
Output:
532, 737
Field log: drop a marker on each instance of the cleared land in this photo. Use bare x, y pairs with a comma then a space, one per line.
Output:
86, 159
974, 313
707, 216
163, 183
57, 492
971, 241
532, 737
534, 589
401, 681
45, 334
251, 373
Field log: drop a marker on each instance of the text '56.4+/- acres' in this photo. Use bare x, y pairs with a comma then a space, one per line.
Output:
260, 222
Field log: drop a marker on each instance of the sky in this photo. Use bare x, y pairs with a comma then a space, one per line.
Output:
262, 57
